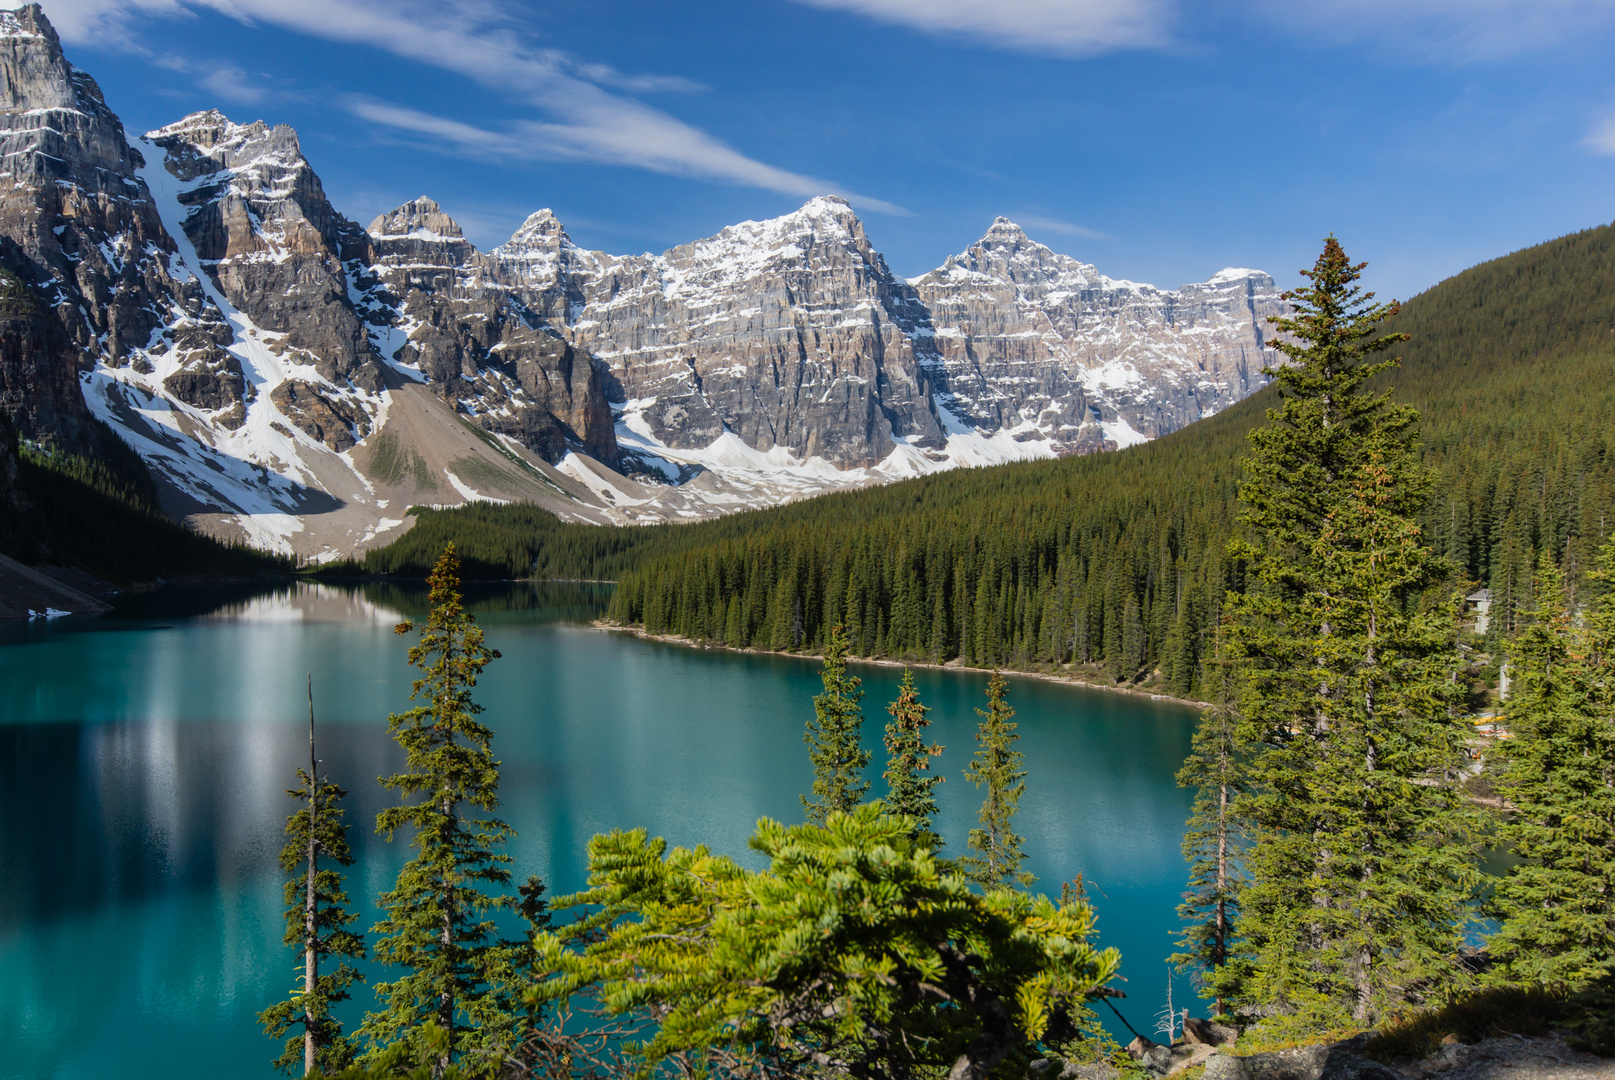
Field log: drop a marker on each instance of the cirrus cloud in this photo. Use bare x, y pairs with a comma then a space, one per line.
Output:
584, 119
1063, 27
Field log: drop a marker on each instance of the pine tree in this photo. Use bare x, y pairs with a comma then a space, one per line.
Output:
997, 857
459, 976
1213, 842
832, 737
1558, 905
317, 921
908, 757
1361, 859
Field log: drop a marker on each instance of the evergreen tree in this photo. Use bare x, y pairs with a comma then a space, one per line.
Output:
832, 737
908, 757
1558, 905
856, 953
1213, 842
997, 856
1361, 861
459, 976
317, 921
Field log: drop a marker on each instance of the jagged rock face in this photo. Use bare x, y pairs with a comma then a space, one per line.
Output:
327, 417
481, 345
198, 292
1029, 337
787, 332
793, 333
274, 245
81, 231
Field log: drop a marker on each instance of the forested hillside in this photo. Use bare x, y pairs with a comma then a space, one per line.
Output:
100, 514
1118, 559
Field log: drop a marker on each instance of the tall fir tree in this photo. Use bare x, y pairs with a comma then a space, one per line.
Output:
1214, 840
1362, 857
908, 760
317, 921
833, 737
996, 855
1557, 906
460, 979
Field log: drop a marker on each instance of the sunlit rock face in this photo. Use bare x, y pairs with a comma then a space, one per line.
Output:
793, 333
789, 333
296, 380
1031, 339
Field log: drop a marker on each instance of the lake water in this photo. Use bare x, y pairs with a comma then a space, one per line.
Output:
144, 758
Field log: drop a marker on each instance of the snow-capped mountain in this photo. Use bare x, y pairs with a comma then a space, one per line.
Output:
299, 380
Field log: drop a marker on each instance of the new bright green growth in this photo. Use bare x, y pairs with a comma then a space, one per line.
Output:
856, 952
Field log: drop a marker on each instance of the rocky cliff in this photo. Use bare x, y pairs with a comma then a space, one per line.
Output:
295, 379
1032, 340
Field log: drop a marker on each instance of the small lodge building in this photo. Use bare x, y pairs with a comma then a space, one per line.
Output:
1478, 604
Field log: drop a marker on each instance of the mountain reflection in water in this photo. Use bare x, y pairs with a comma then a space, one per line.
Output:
144, 759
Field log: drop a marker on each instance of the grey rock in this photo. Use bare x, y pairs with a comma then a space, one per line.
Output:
80, 234
1028, 336
1334, 1061
328, 418
261, 224
1204, 1032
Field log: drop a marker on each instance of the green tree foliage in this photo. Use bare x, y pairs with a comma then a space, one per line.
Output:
856, 953
833, 735
995, 859
99, 513
1214, 841
908, 760
317, 921
1510, 366
1558, 905
1344, 639
439, 917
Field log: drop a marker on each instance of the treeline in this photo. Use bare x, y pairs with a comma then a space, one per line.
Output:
100, 514
670, 961
1119, 559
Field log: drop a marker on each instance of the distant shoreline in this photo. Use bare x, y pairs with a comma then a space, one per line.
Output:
1046, 676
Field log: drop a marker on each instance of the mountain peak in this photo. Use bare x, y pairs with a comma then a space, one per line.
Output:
28, 21
1003, 230
541, 226
418, 219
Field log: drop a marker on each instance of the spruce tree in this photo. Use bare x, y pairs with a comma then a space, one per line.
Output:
317, 921
832, 737
1213, 842
459, 977
1558, 905
908, 791
1361, 859
996, 849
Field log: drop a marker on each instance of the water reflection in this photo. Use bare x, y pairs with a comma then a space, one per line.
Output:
143, 762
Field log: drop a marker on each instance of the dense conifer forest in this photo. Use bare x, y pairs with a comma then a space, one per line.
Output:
100, 514
1118, 560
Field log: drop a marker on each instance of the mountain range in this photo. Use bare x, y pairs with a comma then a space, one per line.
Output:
296, 380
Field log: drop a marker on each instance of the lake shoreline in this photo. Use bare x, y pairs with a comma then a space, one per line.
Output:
1046, 676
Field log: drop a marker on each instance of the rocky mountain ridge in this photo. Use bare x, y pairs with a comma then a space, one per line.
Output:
296, 379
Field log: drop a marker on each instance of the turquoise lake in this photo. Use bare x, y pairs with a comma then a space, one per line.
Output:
144, 758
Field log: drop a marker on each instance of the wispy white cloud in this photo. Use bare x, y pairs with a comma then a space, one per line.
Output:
1062, 27
643, 141
1435, 30
584, 119
1601, 140
1055, 225
233, 84
1454, 31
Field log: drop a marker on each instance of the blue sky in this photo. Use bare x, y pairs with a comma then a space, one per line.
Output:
1159, 139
